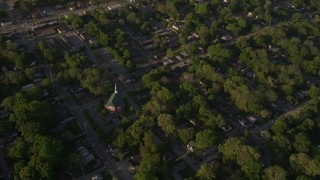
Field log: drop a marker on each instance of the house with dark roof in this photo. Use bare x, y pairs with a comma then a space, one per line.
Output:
115, 104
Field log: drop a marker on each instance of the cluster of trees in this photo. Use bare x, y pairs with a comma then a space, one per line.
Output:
275, 66
152, 166
93, 79
114, 42
48, 53
245, 156
35, 154
74, 20
293, 138
16, 67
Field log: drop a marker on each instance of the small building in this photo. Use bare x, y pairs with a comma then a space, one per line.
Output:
115, 104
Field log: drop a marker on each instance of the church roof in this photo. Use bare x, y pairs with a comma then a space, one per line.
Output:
115, 99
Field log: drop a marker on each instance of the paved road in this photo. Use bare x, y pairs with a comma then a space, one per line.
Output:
25, 25
268, 124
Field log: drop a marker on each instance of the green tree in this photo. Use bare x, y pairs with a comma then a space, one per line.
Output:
166, 122
186, 135
302, 163
205, 139
206, 172
48, 54
274, 172
74, 60
219, 53
314, 92
302, 142
245, 156
18, 149
8, 102
202, 9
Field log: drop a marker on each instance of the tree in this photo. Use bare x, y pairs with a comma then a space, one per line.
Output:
245, 156
12, 77
30, 72
25, 6
17, 149
219, 53
204, 34
130, 65
275, 172
314, 92
166, 122
74, 60
202, 9
302, 142
205, 139
170, 53
186, 135
133, 19
282, 145
8, 102
48, 54
302, 163
206, 172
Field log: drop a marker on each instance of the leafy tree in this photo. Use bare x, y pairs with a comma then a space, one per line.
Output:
130, 65
74, 60
205, 139
245, 156
302, 142
12, 77
282, 145
28, 172
166, 122
18, 149
302, 163
314, 92
8, 102
202, 9
48, 54
219, 53
186, 135
91, 79
132, 18
274, 172
206, 172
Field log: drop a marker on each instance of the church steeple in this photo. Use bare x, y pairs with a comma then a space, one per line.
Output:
115, 88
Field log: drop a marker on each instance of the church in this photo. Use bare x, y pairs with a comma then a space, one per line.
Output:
115, 103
